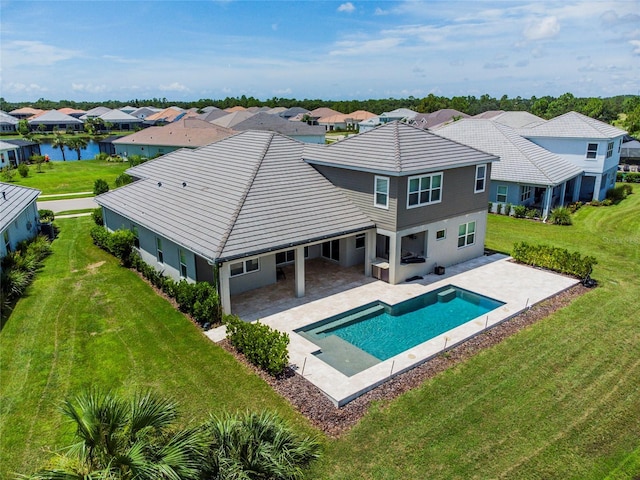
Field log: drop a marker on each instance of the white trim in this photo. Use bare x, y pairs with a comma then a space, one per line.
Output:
506, 193
466, 234
594, 152
430, 190
375, 191
484, 179
443, 237
244, 267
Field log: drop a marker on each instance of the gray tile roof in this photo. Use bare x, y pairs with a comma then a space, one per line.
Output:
518, 119
396, 149
187, 132
119, 117
573, 125
275, 123
246, 194
95, 112
430, 120
230, 120
520, 159
8, 119
54, 116
14, 200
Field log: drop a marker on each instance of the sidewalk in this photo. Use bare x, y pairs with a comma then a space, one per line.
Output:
66, 205
56, 195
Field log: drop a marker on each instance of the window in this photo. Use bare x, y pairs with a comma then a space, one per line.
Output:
592, 150
381, 186
609, 149
183, 263
136, 239
247, 266
360, 239
481, 177
441, 234
159, 253
501, 195
424, 190
285, 257
525, 193
466, 234
331, 249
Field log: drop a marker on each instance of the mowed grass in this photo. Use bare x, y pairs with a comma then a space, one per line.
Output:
87, 322
559, 400
71, 177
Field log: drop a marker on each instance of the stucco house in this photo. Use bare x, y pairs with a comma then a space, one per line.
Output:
18, 215
8, 154
53, 119
398, 115
8, 123
397, 200
590, 144
527, 174
274, 123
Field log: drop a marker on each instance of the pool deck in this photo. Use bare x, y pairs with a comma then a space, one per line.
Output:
518, 286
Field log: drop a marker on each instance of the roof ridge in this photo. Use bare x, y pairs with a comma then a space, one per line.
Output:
398, 153
520, 147
243, 198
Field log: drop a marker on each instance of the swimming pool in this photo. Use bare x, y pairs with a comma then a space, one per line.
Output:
360, 338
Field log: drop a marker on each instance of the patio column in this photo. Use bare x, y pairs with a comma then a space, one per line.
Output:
547, 201
369, 251
225, 294
563, 191
299, 258
596, 187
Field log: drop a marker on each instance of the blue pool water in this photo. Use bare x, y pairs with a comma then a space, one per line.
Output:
362, 337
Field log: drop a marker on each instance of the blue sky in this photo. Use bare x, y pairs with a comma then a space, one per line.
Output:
96, 50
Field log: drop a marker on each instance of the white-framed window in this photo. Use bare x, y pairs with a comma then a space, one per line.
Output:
246, 266
525, 193
441, 234
360, 240
501, 193
183, 263
609, 149
481, 178
381, 192
466, 234
424, 190
592, 150
331, 249
159, 252
289, 256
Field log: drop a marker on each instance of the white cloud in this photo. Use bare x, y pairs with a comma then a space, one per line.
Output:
351, 47
540, 29
173, 87
636, 45
89, 88
23, 88
28, 52
380, 11
346, 7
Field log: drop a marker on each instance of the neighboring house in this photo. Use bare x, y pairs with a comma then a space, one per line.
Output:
95, 112
18, 216
73, 112
168, 115
212, 114
144, 112
186, 133
106, 144
397, 200
526, 174
439, 117
398, 115
8, 123
53, 119
128, 109
592, 145
25, 112
517, 119
230, 120
630, 151
274, 123
292, 112
26, 149
8, 154
121, 120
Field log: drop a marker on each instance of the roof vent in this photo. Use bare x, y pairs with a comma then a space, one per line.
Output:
4, 195
184, 184
159, 184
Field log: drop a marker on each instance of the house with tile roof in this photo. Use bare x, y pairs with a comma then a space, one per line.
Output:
54, 120
437, 118
526, 174
274, 123
95, 112
398, 115
8, 123
8, 154
230, 120
18, 215
168, 115
397, 200
121, 120
144, 112
590, 144
25, 112
25, 149
188, 132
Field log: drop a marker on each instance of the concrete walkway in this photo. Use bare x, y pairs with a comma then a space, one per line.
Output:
68, 204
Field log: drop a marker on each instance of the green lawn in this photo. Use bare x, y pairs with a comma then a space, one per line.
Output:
71, 177
558, 400
88, 322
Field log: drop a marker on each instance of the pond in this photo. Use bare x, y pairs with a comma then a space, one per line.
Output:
55, 155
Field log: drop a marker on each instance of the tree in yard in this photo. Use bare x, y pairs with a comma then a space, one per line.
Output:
23, 128
122, 439
77, 144
100, 186
59, 142
42, 127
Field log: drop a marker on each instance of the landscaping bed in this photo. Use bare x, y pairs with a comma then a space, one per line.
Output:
334, 421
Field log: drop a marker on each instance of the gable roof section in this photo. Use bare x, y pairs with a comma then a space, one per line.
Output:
230, 120
95, 112
53, 116
518, 119
520, 159
248, 194
396, 149
5, 118
187, 132
322, 112
14, 200
119, 116
444, 115
275, 123
573, 125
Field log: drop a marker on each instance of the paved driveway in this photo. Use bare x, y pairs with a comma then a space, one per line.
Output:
67, 204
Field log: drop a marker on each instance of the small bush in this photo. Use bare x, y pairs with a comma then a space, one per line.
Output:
490, 206
97, 217
23, 170
627, 188
100, 237
123, 179
7, 173
499, 208
532, 213
507, 209
632, 177
553, 258
574, 207
560, 216
100, 186
102, 156
264, 347
618, 193
519, 211
46, 215
121, 245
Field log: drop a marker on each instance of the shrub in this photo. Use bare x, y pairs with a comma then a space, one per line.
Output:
100, 237
46, 215
23, 170
574, 207
519, 211
264, 347
532, 213
632, 177
618, 193
121, 245
507, 209
97, 217
560, 216
7, 174
553, 258
499, 208
102, 156
100, 186
490, 206
123, 179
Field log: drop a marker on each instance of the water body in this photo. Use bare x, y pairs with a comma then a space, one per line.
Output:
55, 154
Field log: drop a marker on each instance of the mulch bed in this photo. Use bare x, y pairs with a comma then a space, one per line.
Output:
334, 421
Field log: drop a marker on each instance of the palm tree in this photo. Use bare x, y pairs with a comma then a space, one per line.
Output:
59, 142
256, 446
127, 440
77, 144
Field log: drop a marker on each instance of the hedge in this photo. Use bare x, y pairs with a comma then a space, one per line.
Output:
264, 347
554, 258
